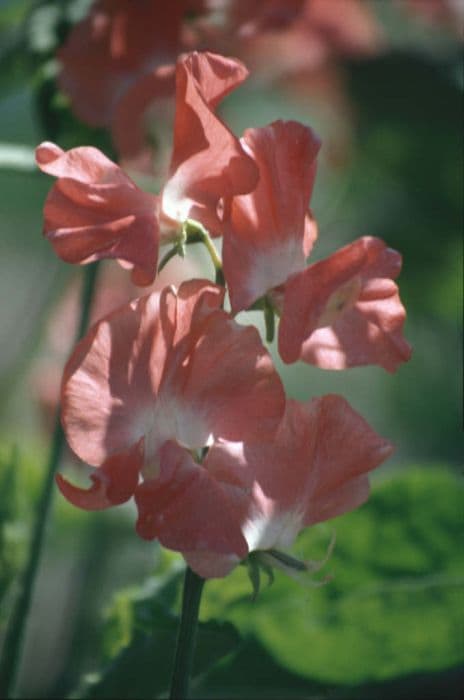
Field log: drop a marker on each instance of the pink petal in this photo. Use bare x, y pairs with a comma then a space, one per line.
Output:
186, 508
208, 164
115, 43
228, 377
211, 564
314, 469
112, 378
168, 367
345, 311
114, 483
270, 233
94, 211
128, 125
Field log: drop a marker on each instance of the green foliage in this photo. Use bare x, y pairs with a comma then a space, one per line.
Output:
140, 637
11, 529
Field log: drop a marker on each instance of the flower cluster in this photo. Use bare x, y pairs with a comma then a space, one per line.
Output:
172, 401
117, 63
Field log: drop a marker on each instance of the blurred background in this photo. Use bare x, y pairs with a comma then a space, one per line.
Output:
381, 83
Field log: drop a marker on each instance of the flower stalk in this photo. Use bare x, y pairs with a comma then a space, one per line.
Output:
196, 233
185, 648
9, 662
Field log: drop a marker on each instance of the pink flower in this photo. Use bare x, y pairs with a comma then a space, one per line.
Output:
345, 311
314, 469
151, 385
270, 234
340, 312
95, 211
208, 165
117, 41
278, 39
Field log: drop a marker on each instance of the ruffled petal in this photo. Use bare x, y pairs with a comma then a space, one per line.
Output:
116, 42
111, 381
345, 311
314, 469
188, 509
169, 366
270, 232
94, 211
208, 164
227, 376
113, 483
153, 91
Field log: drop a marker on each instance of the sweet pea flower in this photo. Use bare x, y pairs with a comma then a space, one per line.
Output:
270, 234
115, 43
95, 211
341, 312
209, 165
314, 469
345, 311
151, 386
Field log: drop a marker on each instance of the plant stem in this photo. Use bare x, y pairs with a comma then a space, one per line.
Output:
269, 320
196, 233
193, 587
13, 642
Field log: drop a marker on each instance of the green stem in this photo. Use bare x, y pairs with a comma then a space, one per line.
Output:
193, 587
13, 641
171, 253
269, 320
195, 233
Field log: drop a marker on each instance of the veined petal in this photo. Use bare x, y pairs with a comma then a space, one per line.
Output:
117, 41
228, 377
188, 509
95, 211
208, 163
270, 233
113, 483
314, 469
345, 310
169, 366
153, 90
111, 381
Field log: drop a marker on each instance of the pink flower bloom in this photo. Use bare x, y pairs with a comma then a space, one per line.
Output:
340, 312
95, 211
208, 164
255, 16
141, 127
345, 311
447, 13
278, 39
270, 234
168, 373
314, 469
114, 289
118, 41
